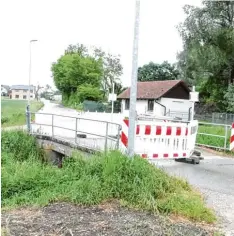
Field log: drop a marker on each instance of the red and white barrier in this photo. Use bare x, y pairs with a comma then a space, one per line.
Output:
162, 139
232, 138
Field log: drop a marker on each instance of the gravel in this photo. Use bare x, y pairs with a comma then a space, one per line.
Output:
64, 219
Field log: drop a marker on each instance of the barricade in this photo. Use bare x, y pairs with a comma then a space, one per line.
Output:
159, 139
232, 139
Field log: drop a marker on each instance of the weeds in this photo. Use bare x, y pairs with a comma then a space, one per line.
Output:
88, 181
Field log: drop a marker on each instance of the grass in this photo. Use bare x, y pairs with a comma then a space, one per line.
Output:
13, 111
26, 180
212, 140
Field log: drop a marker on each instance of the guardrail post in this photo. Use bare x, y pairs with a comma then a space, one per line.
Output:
28, 119
106, 138
76, 132
52, 125
226, 137
118, 137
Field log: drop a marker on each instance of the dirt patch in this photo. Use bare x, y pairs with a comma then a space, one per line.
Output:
63, 219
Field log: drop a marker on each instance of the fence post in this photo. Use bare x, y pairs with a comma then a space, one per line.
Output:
76, 132
28, 119
106, 138
52, 125
226, 137
118, 137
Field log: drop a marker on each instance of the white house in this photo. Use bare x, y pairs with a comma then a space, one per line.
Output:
20, 92
160, 98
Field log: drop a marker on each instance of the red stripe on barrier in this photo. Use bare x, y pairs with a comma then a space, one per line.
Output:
158, 130
168, 130
232, 138
186, 132
165, 155
155, 155
126, 122
184, 155
233, 125
138, 129
144, 155
147, 129
124, 139
175, 155
178, 131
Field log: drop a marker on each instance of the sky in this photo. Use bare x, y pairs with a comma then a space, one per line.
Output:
103, 23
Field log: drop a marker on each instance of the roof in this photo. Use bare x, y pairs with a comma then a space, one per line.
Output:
22, 87
153, 89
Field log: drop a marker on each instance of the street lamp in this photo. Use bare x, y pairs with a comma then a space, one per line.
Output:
133, 90
29, 79
28, 116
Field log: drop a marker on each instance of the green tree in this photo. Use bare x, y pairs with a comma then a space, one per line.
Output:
112, 69
73, 70
153, 72
88, 92
229, 96
207, 60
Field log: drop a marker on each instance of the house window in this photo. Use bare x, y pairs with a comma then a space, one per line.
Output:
127, 104
150, 105
31, 96
24, 96
16, 96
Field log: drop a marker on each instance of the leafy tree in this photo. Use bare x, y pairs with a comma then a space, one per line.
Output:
229, 96
88, 92
207, 60
153, 72
112, 69
73, 70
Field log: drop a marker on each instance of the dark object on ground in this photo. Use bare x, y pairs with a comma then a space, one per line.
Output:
81, 136
108, 219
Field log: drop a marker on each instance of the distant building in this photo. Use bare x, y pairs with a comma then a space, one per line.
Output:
21, 92
5, 90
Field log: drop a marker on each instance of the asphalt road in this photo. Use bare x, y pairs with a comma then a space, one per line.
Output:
214, 176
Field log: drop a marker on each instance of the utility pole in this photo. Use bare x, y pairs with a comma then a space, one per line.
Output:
133, 89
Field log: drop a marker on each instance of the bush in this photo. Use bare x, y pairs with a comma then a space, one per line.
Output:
4, 119
20, 145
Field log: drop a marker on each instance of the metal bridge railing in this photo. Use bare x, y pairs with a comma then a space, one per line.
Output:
94, 134
214, 135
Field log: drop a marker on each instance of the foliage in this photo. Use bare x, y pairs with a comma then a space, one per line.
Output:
207, 60
72, 70
229, 96
153, 72
135, 182
88, 92
112, 70
13, 111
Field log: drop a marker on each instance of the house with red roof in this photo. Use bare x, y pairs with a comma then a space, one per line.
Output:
168, 97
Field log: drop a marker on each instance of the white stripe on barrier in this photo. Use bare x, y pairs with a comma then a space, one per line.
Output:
232, 138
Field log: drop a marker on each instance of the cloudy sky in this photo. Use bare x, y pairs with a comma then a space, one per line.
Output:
105, 23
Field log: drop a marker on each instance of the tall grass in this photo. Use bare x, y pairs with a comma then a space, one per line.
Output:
88, 181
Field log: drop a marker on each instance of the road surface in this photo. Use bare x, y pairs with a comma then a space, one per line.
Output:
214, 177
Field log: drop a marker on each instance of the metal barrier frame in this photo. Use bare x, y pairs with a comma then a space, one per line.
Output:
225, 136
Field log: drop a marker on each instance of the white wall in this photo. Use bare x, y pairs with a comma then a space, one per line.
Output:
173, 104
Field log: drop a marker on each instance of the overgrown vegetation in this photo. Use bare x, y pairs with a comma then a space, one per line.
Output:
136, 183
13, 111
